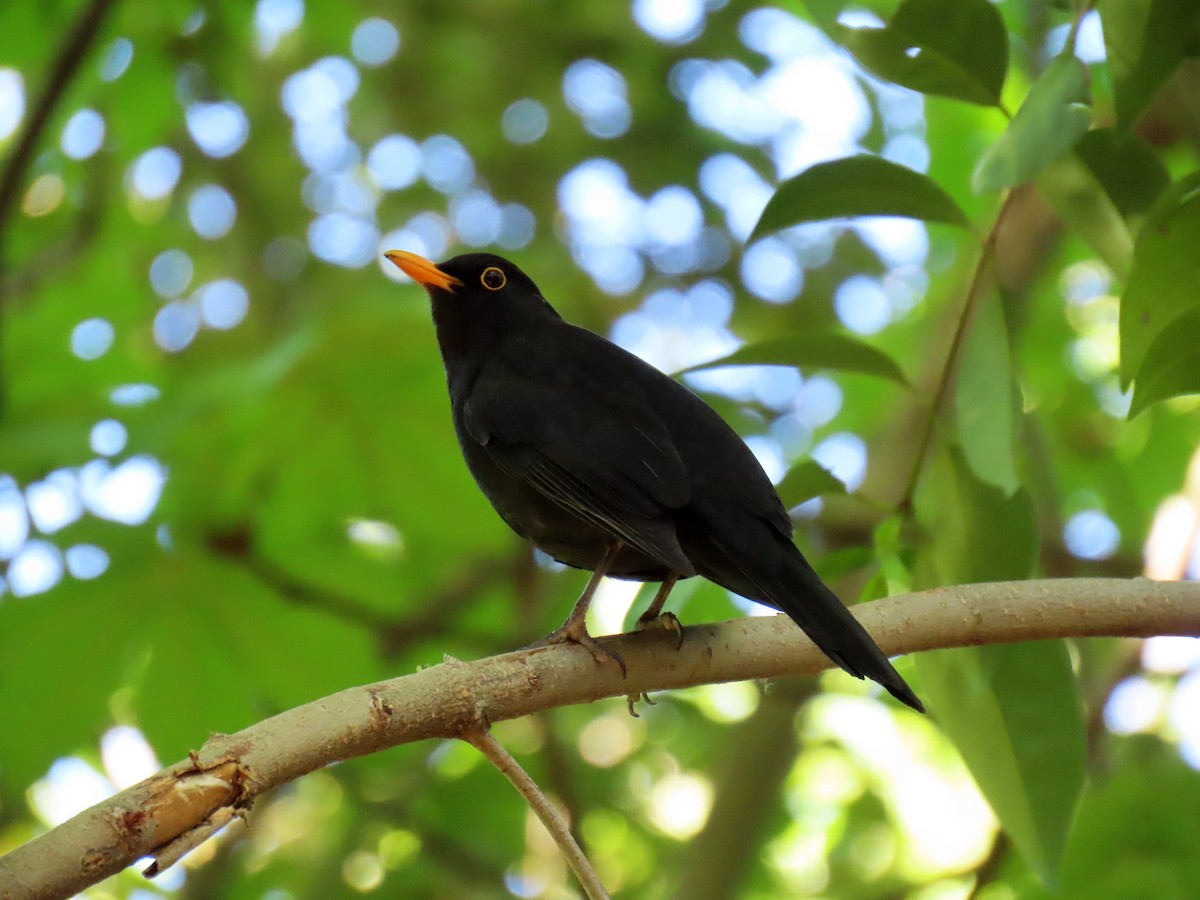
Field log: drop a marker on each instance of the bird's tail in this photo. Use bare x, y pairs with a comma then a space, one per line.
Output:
832, 627
736, 558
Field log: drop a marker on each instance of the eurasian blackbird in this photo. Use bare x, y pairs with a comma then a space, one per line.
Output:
607, 464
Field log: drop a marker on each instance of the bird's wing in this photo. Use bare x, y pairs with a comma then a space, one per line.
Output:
588, 446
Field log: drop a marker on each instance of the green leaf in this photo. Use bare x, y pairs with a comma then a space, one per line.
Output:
1166, 271
812, 350
1136, 831
1049, 123
54, 647
1014, 713
983, 399
857, 186
1172, 364
983, 533
951, 48
1080, 201
1145, 40
806, 480
226, 650
1126, 167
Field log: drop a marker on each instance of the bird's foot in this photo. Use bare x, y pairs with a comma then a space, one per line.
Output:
661, 621
574, 631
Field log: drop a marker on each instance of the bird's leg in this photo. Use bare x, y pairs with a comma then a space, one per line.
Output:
574, 630
654, 617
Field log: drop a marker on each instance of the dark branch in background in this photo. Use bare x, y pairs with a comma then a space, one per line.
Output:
395, 633
79, 39
747, 786
48, 260
993, 864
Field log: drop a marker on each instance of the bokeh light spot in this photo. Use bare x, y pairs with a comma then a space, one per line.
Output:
211, 211
86, 561
446, 164
116, 59
670, 21
171, 273
845, 456
771, 271
394, 162
12, 101
83, 134
219, 129
108, 437
91, 338
1090, 534
176, 325
598, 95
524, 121
223, 303
862, 305
127, 493
36, 568
374, 41
155, 173
274, 19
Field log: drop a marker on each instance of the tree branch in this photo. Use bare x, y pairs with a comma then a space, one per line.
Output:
483, 741
446, 701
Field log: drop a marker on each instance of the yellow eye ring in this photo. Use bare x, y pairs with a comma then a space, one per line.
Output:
493, 279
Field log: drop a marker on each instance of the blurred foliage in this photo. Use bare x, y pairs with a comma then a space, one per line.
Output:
317, 529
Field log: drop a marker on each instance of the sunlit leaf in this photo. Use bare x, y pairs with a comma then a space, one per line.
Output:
857, 186
827, 350
1014, 713
983, 398
952, 48
1089, 211
1050, 122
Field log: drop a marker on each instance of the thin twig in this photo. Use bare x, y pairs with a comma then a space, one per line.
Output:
481, 738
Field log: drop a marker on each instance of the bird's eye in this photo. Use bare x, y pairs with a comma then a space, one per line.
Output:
493, 279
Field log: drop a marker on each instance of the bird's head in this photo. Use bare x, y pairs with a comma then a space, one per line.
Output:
472, 279
479, 301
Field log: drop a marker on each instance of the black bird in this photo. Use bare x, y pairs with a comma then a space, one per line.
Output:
607, 464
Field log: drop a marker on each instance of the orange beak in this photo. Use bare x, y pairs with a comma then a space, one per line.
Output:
422, 271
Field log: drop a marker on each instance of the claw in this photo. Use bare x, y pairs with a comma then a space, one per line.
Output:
633, 699
574, 631
666, 621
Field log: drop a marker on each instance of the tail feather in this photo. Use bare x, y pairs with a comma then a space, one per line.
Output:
833, 628
763, 565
